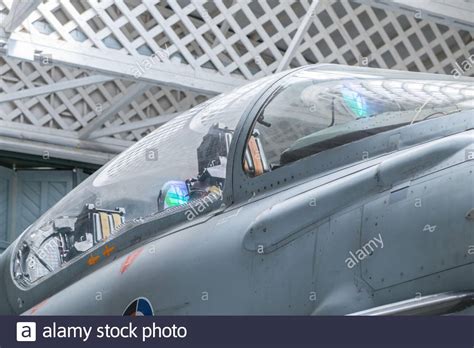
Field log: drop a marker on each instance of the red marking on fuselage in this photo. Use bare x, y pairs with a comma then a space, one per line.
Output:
38, 306
130, 259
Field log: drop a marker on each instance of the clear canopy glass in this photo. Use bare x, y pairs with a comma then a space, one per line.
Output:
181, 162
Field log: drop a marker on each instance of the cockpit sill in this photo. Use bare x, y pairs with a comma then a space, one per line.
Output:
302, 173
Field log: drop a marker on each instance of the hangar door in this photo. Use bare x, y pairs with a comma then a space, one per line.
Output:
26, 194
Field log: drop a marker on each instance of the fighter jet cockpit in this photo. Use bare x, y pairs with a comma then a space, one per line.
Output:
183, 161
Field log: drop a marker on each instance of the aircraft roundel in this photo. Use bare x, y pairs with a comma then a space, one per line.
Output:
138, 308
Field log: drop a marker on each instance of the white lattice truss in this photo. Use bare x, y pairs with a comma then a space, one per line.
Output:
85, 79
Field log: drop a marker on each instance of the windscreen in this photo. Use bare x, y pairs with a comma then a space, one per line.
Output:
182, 161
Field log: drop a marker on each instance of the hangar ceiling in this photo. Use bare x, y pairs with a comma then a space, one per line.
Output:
83, 80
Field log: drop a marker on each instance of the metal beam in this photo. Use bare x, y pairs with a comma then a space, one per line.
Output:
116, 104
54, 87
147, 69
19, 11
57, 143
150, 122
295, 42
54, 151
60, 137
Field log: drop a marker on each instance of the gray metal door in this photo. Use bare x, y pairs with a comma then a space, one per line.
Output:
39, 190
